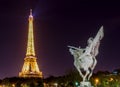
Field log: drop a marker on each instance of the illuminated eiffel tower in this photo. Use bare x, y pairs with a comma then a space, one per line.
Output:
30, 67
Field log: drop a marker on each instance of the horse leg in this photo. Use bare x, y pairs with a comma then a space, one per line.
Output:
78, 68
87, 72
80, 73
90, 74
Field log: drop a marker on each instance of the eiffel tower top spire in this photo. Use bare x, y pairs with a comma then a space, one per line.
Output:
30, 44
30, 11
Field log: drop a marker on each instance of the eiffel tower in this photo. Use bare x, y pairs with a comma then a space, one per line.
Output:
30, 66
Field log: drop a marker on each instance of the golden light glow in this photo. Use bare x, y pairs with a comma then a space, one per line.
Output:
13, 85
111, 79
96, 81
30, 66
30, 45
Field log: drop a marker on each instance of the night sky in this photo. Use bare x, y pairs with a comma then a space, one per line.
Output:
57, 24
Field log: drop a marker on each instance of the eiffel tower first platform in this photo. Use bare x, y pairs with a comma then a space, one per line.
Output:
30, 66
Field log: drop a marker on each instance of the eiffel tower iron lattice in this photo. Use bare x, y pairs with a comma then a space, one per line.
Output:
30, 66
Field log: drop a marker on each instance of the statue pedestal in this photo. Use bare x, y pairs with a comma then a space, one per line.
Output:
85, 84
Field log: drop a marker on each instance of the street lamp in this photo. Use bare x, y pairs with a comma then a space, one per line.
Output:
56, 84
13, 85
111, 79
96, 81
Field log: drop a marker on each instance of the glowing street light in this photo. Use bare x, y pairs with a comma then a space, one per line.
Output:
111, 79
96, 81
56, 84
13, 85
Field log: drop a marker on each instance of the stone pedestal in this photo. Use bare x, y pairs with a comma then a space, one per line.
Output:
85, 84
